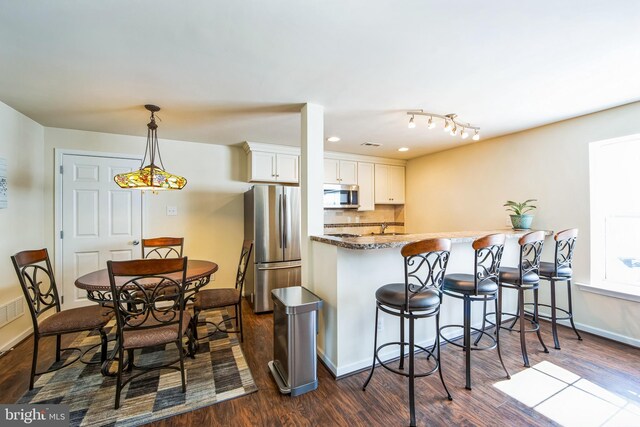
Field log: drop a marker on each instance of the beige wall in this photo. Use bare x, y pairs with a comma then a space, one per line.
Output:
210, 208
464, 189
21, 224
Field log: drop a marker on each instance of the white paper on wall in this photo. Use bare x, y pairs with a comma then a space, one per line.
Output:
3, 183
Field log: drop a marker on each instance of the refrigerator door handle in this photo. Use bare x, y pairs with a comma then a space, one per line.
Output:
280, 219
285, 221
278, 268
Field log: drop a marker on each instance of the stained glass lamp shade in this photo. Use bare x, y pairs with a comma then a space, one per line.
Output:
152, 176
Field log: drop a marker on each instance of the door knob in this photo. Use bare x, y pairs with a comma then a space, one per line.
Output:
136, 242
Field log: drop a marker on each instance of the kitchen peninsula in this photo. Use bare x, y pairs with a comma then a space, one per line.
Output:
347, 271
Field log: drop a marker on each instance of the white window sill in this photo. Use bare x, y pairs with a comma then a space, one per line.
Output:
615, 290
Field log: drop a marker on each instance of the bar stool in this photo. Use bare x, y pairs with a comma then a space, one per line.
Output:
523, 278
418, 297
481, 286
560, 271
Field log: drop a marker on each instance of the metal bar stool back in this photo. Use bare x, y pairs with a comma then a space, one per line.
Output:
561, 270
523, 278
425, 263
481, 286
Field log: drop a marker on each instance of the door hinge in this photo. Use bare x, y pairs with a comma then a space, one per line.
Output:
61, 234
61, 169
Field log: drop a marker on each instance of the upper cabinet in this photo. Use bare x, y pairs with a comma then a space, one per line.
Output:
340, 172
389, 184
366, 186
272, 163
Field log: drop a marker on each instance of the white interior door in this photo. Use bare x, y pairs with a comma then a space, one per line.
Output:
100, 221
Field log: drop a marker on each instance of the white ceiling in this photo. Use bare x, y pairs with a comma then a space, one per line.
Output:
228, 71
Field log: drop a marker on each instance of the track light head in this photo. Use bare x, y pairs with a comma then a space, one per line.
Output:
476, 136
464, 134
412, 124
430, 124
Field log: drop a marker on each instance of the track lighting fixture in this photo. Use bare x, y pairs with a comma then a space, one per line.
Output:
451, 124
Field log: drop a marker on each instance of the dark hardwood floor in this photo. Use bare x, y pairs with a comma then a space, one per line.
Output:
611, 365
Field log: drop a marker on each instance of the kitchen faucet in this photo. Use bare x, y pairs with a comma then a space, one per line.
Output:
383, 227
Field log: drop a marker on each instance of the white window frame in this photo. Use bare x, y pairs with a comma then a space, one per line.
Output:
599, 283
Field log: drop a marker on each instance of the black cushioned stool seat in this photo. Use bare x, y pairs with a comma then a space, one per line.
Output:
393, 295
512, 275
464, 284
547, 270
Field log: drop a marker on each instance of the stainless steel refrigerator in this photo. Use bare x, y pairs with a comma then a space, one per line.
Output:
272, 221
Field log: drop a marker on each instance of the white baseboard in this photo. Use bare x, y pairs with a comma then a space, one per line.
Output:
12, 343
391, 354
635, 342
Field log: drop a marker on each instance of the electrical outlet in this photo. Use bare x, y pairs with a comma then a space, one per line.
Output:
380, 324
172, 211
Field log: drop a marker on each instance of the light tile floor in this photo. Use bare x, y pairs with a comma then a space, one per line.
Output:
569, 400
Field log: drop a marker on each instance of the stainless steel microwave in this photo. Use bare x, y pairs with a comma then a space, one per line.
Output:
341, 196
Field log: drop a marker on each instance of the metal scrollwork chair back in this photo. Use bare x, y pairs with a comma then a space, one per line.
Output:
425, 263
488, 255
37, 281
530, 253
162, 247
565, 245
149, 294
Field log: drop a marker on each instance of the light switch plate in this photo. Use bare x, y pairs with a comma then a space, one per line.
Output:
172, 210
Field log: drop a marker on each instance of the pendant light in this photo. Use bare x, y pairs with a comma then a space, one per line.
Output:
152, 176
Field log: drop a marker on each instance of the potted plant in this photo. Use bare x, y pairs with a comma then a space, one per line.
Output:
519, 219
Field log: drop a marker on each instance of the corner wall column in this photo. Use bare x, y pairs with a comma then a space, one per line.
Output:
311, 180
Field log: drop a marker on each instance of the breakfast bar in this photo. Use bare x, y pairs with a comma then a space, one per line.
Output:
348, 270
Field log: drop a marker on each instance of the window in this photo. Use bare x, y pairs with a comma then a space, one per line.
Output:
615, 212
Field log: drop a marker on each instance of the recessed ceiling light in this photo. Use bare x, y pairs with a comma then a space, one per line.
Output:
333, 139
403, 149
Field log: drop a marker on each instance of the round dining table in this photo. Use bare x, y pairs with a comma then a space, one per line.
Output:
98, 288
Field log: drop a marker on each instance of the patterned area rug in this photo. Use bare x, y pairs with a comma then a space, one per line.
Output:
219, 372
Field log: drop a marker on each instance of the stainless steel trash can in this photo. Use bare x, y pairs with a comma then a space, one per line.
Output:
295, 325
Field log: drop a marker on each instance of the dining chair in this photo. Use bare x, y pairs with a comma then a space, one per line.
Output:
162, 247
208, 299
155, 288
38, 284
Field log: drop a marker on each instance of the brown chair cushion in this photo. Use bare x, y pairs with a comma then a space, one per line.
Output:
547, 268
393, 296
214, 298
464, 284
149, 336
512, 275
75, 319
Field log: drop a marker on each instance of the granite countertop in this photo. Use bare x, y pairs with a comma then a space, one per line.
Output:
398, 240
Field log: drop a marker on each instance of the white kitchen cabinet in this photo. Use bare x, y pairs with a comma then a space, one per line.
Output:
366, 186
343, 172
389, 184
273, 167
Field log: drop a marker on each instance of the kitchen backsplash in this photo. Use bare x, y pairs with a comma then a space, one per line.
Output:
365, 222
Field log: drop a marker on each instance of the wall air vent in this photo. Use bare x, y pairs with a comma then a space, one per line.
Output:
11, 311
371, 144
